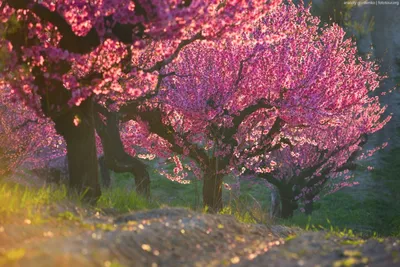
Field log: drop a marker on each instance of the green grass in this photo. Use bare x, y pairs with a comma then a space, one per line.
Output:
33, 203
388, 208
123, 200
164, 192
250, 207
343, 211
17, 199
340, 210
377, 213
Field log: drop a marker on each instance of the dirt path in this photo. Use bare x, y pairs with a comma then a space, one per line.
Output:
178, 237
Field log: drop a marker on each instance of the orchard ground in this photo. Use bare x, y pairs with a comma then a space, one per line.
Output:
45, 226
370, 208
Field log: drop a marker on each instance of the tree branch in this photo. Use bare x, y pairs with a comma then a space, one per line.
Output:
159, 64
239, 118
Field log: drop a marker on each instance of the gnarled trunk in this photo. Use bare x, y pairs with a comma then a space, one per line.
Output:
115, 157
81, 149
212, 191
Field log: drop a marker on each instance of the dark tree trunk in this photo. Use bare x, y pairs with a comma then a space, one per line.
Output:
287, 208
212, 191
142, 178
309, 199
116, 158
81, 149
105, 172
308, 207
288, 203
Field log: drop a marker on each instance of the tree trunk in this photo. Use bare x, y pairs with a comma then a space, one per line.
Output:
308, 207
309, 201
288, 203
81, 149
287, 209
105, 173
212, 191
116, 158
142, 179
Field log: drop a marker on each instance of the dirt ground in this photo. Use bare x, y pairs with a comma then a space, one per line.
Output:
178, 237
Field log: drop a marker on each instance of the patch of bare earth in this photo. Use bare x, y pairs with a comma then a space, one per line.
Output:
179, 237
163, 237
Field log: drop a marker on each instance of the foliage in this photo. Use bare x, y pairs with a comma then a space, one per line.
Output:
276, 105
67, 54
103, 49
278, 98
26, 139
332, 11
12, 256
340, 12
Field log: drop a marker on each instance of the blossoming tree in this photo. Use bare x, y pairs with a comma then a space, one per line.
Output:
238, 104
64, 54
24, 136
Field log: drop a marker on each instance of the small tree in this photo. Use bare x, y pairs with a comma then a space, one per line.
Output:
321, 163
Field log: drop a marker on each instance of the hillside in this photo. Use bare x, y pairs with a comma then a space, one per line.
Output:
67, 233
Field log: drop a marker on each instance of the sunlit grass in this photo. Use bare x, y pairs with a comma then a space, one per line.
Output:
339, 211
124, 200
241, 215
246, 208
32, 203
16, 199
11, 256
166, 193
374, 213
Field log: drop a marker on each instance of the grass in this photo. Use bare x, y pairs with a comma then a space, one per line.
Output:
17, 199
249, 207
12, 256
371, 216
33, 203
340, 210
388, 208
376, 213
124, 200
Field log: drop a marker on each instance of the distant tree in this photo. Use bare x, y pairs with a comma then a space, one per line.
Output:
24, 136
321, 164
